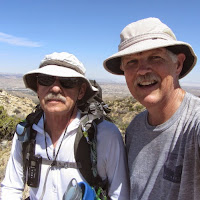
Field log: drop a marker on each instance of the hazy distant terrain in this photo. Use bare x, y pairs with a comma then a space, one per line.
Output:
193, 89
13, 83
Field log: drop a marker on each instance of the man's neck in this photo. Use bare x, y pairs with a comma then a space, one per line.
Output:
55, 125
161, 113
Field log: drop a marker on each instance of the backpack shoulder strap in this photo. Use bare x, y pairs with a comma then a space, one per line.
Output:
28, 148
27, 136
23, 129
85, 147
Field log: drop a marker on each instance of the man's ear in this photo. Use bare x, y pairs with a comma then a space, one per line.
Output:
181, 58
82, 91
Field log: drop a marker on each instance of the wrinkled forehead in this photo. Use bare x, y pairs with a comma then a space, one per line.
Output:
148, 52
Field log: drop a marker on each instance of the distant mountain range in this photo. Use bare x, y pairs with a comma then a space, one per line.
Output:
14, 83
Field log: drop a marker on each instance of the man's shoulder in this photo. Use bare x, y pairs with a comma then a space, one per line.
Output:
107, 129
140, 116
192, 97
193, 103
105, 124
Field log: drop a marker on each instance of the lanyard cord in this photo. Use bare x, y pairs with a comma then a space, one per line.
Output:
54, 161
60, 142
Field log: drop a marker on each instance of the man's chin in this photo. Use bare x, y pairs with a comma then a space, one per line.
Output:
149, 100
54, 110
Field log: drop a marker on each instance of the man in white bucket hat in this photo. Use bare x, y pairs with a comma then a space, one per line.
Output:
163, 142
61, 86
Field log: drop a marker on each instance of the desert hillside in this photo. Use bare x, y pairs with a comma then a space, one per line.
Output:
15, 105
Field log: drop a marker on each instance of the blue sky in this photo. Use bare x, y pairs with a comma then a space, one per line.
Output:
30, 29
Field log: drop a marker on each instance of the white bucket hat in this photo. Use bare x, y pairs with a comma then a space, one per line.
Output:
147, 34
61, 65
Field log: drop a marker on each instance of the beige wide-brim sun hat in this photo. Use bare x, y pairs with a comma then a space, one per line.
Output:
61, 65
148, 34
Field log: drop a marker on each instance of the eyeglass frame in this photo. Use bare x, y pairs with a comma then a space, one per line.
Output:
62, 80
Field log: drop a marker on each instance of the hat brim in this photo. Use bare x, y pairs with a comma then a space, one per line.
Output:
112, 64
30, 78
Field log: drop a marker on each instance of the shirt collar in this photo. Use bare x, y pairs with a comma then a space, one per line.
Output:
39, 127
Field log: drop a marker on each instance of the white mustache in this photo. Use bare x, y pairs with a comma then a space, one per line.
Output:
149, 77
57, 97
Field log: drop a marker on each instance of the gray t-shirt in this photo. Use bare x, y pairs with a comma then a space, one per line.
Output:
164, 160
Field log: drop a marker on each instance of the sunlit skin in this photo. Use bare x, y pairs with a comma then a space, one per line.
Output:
59, 113
153, 79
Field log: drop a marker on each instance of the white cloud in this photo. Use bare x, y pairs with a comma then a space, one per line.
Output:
17, 41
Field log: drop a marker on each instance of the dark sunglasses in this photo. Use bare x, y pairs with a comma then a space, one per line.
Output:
46, 80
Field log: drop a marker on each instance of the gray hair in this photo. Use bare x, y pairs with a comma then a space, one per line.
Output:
172, 56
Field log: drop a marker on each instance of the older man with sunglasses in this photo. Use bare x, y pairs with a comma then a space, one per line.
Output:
163, 142
61, 84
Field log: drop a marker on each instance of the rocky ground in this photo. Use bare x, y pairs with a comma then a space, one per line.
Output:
15, 105
5, 147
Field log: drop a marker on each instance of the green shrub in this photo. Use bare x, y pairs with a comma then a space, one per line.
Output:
123, 111
7, 124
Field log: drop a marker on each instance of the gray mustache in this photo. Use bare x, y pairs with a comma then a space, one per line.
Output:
147, 77
57, 97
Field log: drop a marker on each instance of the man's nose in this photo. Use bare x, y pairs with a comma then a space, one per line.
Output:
56, 86
143, 67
